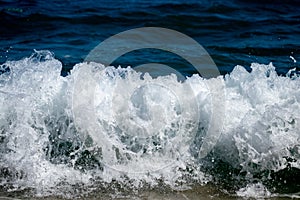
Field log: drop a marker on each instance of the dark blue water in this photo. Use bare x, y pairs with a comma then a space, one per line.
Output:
43, 150
233, 32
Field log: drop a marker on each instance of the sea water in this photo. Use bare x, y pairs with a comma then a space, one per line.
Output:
142, 133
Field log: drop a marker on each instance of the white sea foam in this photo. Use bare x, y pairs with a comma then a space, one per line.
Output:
257, 191
144, 129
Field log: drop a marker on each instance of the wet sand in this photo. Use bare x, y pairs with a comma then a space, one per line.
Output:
206, 192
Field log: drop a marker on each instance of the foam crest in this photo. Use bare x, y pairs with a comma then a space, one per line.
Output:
101, 126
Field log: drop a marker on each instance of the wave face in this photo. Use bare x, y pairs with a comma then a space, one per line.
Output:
146, 135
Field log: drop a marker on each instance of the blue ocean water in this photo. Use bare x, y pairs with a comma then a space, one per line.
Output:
233, 32
148, 132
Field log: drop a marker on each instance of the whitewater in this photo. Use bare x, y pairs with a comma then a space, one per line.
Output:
141, 132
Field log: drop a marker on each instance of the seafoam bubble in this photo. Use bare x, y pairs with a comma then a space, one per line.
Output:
257, 191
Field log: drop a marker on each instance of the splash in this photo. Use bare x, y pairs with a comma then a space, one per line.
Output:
145, 132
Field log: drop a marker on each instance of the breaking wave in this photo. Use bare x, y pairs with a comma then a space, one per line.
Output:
141, 132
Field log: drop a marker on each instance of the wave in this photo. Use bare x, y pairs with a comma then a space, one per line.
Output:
134, 131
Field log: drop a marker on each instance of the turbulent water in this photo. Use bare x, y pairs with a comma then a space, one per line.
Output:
70, 128
156, 144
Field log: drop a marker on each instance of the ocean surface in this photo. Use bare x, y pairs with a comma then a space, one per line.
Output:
70, 128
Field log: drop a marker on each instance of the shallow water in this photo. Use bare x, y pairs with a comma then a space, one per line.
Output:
200, 192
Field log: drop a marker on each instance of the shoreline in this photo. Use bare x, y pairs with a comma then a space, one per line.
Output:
205, 192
